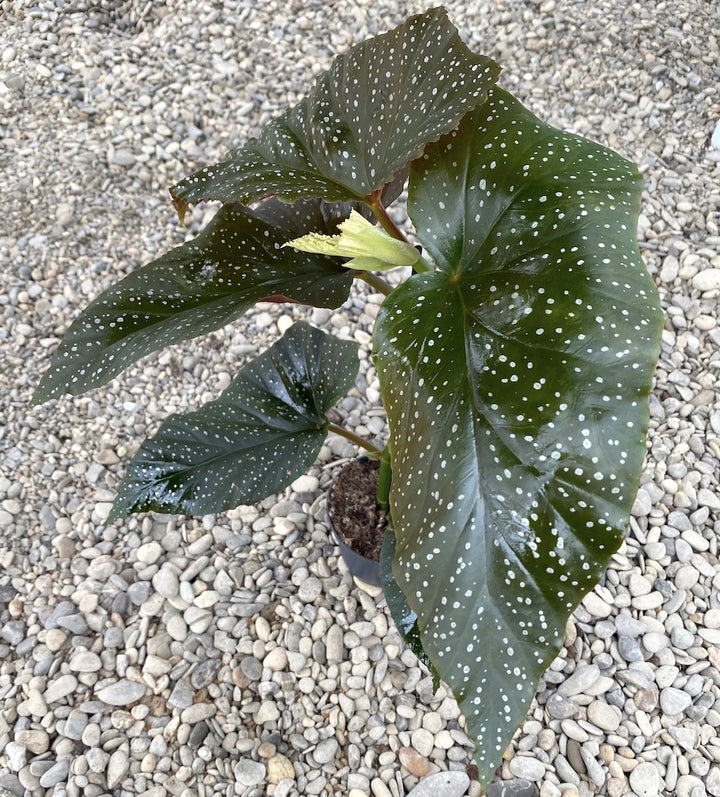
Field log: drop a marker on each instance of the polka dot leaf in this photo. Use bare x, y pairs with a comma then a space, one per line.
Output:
366, 118
516, 381
262, 433
198, 287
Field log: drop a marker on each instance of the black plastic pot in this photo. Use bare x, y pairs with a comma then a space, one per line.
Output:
366, 569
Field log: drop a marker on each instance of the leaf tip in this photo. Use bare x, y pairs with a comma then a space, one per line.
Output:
181, 207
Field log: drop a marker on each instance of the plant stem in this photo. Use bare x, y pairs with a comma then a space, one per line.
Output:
353, 438
376, 281
384, 477
390, 228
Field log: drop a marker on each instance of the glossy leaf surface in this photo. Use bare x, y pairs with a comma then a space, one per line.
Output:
516, 380
264, 431
198, 287
366, 118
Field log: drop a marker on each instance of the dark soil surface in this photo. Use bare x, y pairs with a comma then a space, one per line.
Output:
354, 509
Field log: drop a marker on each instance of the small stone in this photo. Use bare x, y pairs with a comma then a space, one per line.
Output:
166, 582
198, 733
707, 280
279, 768
645, 780
582, 678
121, 693
64, 213
519, 787
325, 751
75, 724
334, 647
674, 701
252, 668
97, 759
276, 660
629, 626
182, 695
85, 661
36, 741
712, 781
646, 699
60, 687
605, 716
629, 649
249, 772
560, 708
654, 642
205, 673
198, 712
423, 741
527, 767
442, 784
268, 712
596, 605
57, 773
415, 763
310, 589
685, 736
149, 552
117, 768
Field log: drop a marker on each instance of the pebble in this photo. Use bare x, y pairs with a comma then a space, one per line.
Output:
325, 751
441, 784
645, 780
415, 763
581, 679
121, 693
248, 772
517, 787
36, 741
56, 774
605, 716
527, 768
674, 701
423, 741
60, 687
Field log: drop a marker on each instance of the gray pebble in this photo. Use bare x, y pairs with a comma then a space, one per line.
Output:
560, 707
584, 676
674, 701
527, 767
518, 787
57, 773
645, 780
629, 649
325, 751
441, 784
309, 590
121, 693
249, 772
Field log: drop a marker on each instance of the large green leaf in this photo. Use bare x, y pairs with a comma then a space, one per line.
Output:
366, 118
263, 432
199, 287
516, 380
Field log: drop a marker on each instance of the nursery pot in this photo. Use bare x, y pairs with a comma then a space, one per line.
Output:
356, 520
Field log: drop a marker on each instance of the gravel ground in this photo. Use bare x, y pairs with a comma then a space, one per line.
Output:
233, 655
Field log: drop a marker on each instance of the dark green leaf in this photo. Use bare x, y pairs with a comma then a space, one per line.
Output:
367, 117
403, 616
263, 432
199, 287
516, 381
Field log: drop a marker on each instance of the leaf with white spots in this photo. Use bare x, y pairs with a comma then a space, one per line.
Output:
366, 118
198, 287
262, 433
516, 380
